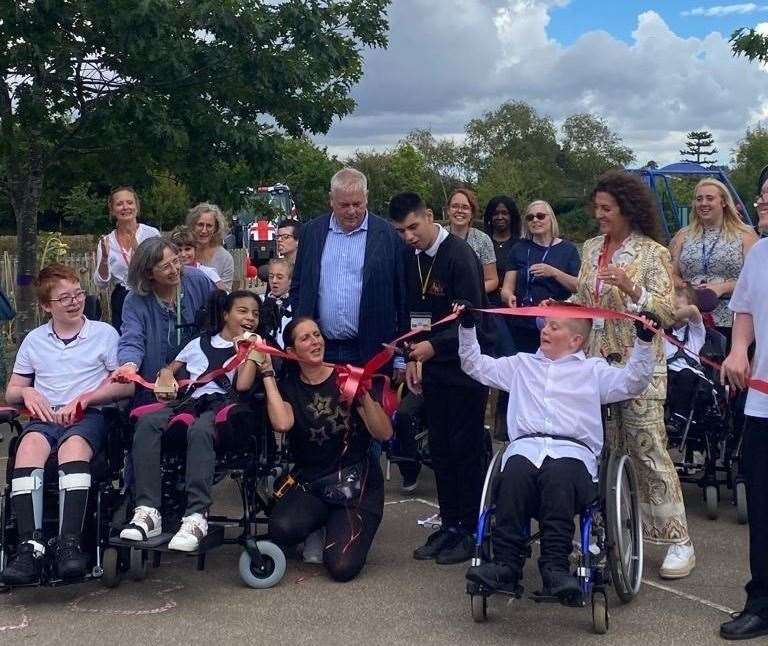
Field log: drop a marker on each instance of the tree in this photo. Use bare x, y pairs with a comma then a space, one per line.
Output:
748, 160
699, 145
166, 84
750, 44
444, 159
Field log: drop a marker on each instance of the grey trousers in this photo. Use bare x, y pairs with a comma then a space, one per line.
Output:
201, 460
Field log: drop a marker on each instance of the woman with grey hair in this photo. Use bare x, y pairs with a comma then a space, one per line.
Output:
159, 311
209, 227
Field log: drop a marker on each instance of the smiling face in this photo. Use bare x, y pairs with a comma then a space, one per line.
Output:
559, 338
709, 205
609, 218
205, 228
537, 220
762, 207
349, 206
308, 344
66, 303
243, 316
167, 272
501, 218
123, 206
460, 211
187, 253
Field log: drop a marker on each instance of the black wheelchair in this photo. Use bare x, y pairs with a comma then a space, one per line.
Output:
708, 442
610, 546
248, 454
105, 500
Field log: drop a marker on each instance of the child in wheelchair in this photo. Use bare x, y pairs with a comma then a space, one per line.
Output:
555, 431
61, 377
233, 315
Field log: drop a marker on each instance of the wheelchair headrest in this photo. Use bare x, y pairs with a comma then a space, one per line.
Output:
715, 344
706, 300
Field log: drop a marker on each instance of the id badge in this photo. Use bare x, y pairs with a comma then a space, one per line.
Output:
598, 324
421, 320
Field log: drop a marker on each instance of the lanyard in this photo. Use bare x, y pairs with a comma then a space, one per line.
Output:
424, 283
528, 278
602, 261
707, 254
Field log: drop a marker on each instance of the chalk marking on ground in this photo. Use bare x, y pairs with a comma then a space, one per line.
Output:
169, 604
429, 503
24, 623
690, 597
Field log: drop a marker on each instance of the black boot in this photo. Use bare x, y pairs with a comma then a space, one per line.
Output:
435, 543
744, 625
25, 567
495, 576
562, 585
71, 561
459, 549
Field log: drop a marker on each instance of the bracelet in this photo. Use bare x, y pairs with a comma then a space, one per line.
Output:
267, 373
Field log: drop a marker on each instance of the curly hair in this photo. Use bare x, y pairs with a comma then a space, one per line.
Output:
635, 200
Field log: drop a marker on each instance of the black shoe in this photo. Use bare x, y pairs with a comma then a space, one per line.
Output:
460, 549
71, 561
564, 586
495, 576
436, 541
744, 625
25, 567
410, 477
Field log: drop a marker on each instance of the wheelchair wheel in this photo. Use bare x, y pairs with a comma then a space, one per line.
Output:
137, 564
488, 495
712, 501
272, 570
740, 492
110, 562
624, 527
600, 618
478, 603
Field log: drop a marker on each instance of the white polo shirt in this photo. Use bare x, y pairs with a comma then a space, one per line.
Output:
63, 372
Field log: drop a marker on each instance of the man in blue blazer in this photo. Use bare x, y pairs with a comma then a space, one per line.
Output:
349, 274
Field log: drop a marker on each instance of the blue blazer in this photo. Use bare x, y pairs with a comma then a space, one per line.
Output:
383, 308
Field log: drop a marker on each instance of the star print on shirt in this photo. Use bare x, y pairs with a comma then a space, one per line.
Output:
320, 406
318, 436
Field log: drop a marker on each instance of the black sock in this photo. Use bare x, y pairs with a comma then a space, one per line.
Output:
23, 507
74, 483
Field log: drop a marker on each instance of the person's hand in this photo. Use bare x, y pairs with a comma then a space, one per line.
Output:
126, 370
736, 369
616, 277
467, 318
104, 242
398, 376
38, 406
549, 302
422, 351
543, 270
166, 386
413, 377
66, 416
647, 327
510, 299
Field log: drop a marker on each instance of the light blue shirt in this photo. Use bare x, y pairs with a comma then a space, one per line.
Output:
341, 280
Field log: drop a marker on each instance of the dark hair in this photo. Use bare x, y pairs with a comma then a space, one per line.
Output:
635, 200
404, 203
290, 330
294, 224
220, 303
515, 220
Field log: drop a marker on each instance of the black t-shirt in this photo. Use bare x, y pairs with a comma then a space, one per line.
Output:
502, 249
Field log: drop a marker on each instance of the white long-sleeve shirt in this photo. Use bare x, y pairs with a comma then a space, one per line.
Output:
560, 397
118, 259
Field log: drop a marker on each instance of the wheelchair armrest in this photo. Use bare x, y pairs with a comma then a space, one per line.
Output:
8, 414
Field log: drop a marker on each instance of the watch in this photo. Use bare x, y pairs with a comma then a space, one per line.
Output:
267, 373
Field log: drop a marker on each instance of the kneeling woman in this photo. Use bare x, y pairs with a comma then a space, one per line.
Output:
338, 485
236, 313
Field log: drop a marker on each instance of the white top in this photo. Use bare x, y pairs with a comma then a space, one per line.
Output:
117, 263
197, 364
442, 234
751, 297
64, 372
561, 397
697, 334
210, 272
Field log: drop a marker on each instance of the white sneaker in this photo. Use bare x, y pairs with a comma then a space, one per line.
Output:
194, 528
146, 522
679, 562
314, 546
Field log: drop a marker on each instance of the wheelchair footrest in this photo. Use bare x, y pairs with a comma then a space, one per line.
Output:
214, 538
478, 589
575, 601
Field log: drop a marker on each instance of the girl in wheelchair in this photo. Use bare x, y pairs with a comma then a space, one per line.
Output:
555, 435
232, 315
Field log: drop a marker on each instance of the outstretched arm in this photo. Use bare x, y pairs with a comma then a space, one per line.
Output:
482, 368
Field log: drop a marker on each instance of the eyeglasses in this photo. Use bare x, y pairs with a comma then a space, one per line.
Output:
69, 299
284, 236
174, 263
463, 208
539, 216
205, 226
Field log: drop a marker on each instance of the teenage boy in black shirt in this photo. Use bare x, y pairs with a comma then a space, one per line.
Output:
441, 269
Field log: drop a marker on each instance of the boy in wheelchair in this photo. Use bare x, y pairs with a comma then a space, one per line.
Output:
555, 435
60, 376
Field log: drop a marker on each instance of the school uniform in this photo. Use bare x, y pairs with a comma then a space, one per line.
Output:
683, 368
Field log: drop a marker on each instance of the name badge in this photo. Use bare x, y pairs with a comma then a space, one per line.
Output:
598, 324
421, 320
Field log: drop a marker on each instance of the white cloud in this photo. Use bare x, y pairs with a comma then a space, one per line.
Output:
725, 10
451, 60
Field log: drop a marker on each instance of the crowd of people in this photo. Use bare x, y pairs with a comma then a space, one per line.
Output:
349, 282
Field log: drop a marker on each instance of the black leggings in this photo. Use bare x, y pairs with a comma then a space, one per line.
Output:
348, 532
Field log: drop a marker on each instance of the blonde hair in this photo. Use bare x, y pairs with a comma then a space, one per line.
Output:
733, 226
217, 239
553, 220
281, 261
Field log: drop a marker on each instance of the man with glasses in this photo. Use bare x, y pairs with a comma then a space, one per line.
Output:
60, 376
288, 239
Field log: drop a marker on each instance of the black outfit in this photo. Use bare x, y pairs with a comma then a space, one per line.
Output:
327, 438
116, 300
554, 494
454, 403
273, 310
530, 290
502, 249
681, 389
754, 461
405, 425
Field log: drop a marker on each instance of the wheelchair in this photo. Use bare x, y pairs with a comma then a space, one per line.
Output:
610, 547
248, 454
707, 439
105, 499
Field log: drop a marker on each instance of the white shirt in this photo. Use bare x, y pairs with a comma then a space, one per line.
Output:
697, 335
560, 397
442, 234
64, 372
750, 296
197, 364
212, 274
117, 262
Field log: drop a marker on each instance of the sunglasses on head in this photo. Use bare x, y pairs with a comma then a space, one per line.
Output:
539, 216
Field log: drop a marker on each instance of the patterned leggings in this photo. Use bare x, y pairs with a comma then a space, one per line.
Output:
637, 427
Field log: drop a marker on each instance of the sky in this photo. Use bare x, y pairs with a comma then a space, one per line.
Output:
653, 70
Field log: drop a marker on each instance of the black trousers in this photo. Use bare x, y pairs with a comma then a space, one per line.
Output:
348, 532
554, 494
456, 435
410, 407
755, 460
681, 388
116, 300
